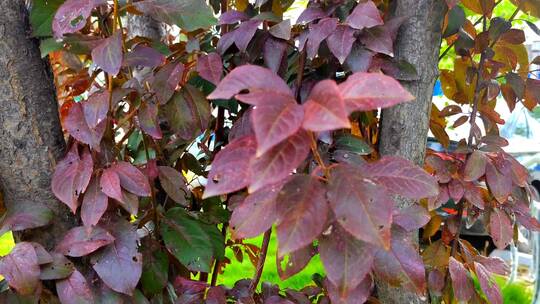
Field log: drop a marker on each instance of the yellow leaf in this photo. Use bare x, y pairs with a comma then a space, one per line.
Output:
241, 5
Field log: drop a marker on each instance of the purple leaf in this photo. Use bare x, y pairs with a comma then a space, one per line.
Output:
81, 241
76, 125
143, 56
369, 91
231, 17
310, 14
499, 179
74, 290
456, 190
165, 81
94, 204
225, 42
59, 268
317, 33
230, 168
188, 113
500, 228
244, 33
132, 179
360, 205
325, 108
249, 77
493, 264
275, 118
346, 260
402, 177
281, 30
461, 282
489, 287
359, 59
411, 218
95, 109
148, 119
21, 269
173, 183
378, 40
256, 213
108, 54
216, 295
274, 52
357, 295
473, 195
278, 163
437, 201
26, 215
71, 177
120, 257
401, 265
130, 202
436, 282
364, 15
340, 42
210, 67
300, 223
241, 127
43, 257
71, 16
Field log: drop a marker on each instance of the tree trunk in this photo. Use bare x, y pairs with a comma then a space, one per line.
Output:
404, 127
30, 132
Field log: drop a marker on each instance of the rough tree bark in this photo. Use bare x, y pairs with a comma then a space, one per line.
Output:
31, 138
404, 127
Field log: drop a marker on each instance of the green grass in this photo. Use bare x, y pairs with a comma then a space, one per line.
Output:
236, 270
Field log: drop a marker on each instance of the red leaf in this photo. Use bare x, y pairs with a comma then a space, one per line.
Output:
301, 222
493, 264
120, 257
475, 166
317, 33
346, 260
411, 218
110, 184
490, 288
143, 56
71, 16
252, 78
71, 177
369, 91
132, 179
74, 290
340, 42
402, 265
360, 205
520, 174
95, 109
241, 127
325, 108
278, 163
461, 282
210, 67
296, 261
76, 125
108, 54
500, 228
364, 15
148, 119
173, 183
130, 202
473, 195
244, 33
402, 177
256, 213
21, 268
275, 118
357, 295
94, 204
81, 241
499, 180
230, 168
437, 201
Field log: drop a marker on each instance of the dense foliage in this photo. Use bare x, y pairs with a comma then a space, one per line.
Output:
182, 147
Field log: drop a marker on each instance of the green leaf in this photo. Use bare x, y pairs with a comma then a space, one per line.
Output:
41, 16
189, 240
189, 15
351, 143
155, 269
49, 45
